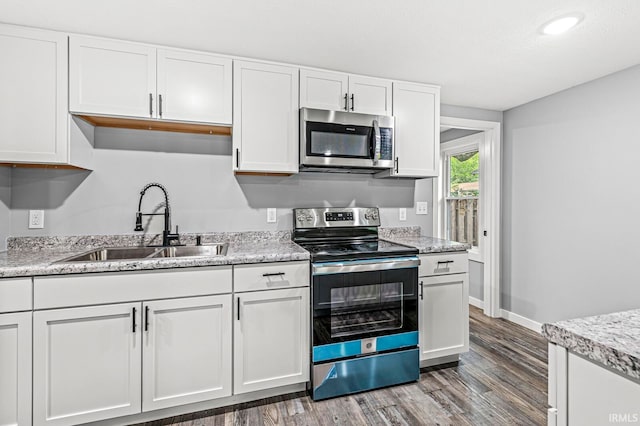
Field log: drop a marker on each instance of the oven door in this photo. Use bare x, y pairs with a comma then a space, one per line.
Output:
361, 299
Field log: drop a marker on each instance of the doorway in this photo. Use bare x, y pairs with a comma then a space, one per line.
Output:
467, 201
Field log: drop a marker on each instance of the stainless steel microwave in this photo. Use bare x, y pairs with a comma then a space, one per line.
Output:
345, 141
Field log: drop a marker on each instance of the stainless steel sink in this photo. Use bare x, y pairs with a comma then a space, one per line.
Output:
188, 251
133, 253
114, 253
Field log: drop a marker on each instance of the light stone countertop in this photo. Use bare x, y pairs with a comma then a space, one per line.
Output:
427, 244
31, 256
38, 256
611, 339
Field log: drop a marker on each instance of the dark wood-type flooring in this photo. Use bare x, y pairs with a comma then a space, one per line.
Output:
502, 380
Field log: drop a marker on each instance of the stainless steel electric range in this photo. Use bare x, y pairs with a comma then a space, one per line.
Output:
364, 302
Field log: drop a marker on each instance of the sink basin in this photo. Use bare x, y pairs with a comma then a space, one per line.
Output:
114, 253
187, 251
132, 253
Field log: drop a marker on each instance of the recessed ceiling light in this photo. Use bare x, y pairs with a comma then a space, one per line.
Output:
560, 25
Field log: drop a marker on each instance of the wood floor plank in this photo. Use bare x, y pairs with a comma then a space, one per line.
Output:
502, 380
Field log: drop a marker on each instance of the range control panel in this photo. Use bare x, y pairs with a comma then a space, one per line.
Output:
338, 216
329, 217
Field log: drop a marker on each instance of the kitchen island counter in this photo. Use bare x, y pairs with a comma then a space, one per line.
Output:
612, 340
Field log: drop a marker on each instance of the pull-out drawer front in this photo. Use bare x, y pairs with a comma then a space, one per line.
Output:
15, 294
115, 287
267, 276
443, 263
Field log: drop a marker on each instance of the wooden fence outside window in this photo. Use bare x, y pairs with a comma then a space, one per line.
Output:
462, 225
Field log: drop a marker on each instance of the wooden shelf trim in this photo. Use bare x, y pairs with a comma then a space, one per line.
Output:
160, 125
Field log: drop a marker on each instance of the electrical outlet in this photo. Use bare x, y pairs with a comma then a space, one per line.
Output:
422, 207
271, 215
402, 213
36, 219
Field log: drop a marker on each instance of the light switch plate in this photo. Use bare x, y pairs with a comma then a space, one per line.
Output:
402, 214
36, 219
422, 207
271, 215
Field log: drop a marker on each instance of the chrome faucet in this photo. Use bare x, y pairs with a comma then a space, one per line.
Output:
167, 236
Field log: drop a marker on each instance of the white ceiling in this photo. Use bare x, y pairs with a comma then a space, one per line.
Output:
488, 54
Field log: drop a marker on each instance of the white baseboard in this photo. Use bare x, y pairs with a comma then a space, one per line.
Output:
523, 321
476, 302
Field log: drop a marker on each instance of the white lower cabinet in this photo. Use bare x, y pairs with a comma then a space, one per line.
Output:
443, 312
187, 351
86, 363
271, 332
15, 369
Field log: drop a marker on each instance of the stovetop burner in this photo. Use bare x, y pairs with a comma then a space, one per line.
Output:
333, 234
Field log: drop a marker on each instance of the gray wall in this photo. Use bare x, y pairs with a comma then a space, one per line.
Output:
476, 280
5, 205
571, 206
205, 195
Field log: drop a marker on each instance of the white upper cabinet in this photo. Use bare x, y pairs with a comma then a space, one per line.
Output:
370, 95
265, 118
416, 109
343, 92
194, 87
116, 78
111, 77
324, 90
33, 105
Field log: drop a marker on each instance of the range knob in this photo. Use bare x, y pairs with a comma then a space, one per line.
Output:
371, 214
303, 216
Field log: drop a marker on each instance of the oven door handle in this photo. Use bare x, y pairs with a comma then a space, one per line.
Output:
328, 268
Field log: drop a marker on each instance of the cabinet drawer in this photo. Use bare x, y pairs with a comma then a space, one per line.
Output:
440, 264
115, 287
266, 276
15, 294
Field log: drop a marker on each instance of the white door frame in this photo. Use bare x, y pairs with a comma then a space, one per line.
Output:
492, 151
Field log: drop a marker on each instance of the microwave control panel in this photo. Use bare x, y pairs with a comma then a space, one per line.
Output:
386, 143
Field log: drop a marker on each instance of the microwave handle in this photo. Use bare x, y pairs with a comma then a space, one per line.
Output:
376, 142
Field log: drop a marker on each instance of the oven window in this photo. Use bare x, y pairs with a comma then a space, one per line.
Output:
339, 144
366, 308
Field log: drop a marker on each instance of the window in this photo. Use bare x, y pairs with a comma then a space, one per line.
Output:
462, 191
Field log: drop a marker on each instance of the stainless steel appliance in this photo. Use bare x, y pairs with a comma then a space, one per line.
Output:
345, 141
364, 302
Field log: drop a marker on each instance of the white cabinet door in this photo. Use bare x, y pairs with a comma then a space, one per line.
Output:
187, 351
15, 369
86, 364
416, 109
265, 118
370, 95
271, 334
111, 77
33, 105
324, 90
194, 87
443, 315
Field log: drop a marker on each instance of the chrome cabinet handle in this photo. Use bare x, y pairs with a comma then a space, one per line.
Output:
150, 105
133, 327
346, 102
353, 102
160, 105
